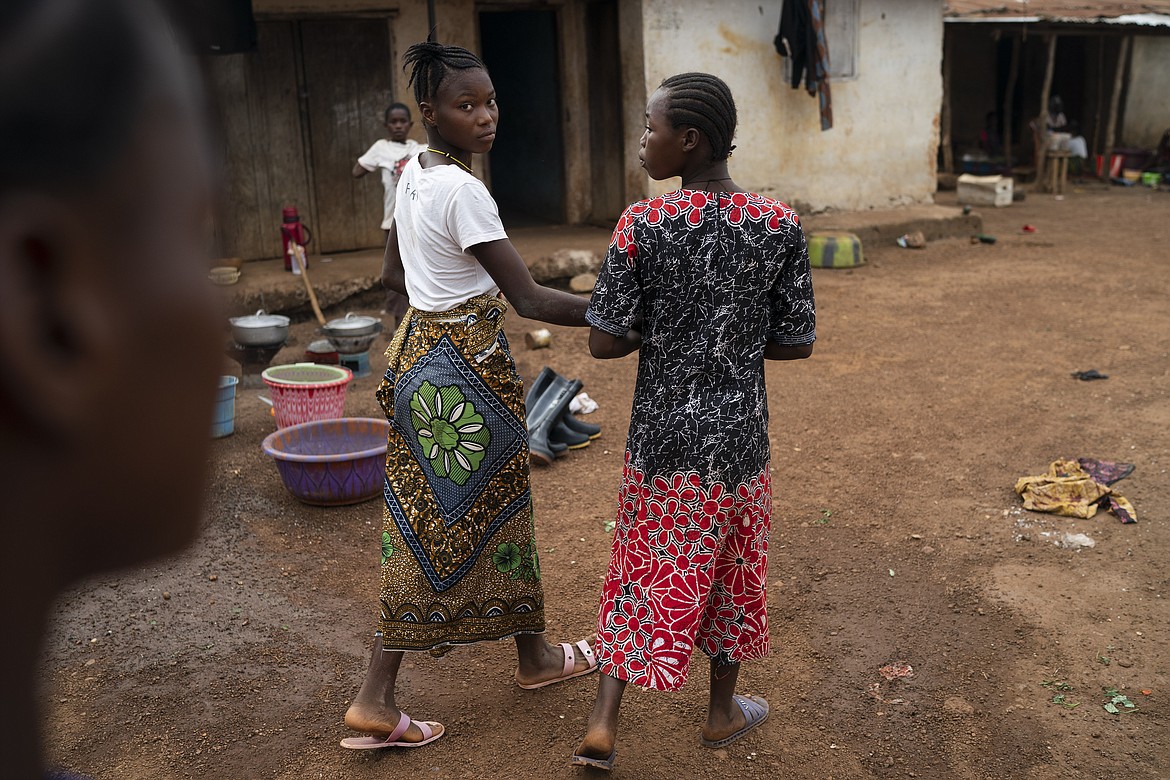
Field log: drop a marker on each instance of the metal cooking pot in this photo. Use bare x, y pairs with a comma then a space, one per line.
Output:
260, 329
352, 345
352, 325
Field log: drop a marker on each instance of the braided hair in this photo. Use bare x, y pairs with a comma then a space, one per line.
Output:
704, 102
429, 62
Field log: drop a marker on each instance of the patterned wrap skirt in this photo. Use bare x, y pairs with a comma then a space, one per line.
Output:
459, 559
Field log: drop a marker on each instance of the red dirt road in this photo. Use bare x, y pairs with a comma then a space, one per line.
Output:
940, 377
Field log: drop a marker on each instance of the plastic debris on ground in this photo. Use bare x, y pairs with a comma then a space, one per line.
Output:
582, 404
897, 671
915, 240
1090, 375
1069, 541
1118, 702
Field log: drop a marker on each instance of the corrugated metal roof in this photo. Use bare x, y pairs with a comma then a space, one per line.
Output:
1147, 13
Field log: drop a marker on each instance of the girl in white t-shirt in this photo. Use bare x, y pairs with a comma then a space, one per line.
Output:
458, 550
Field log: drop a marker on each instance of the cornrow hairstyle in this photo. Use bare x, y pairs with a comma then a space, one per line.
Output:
392, 107
704, 102
429, 62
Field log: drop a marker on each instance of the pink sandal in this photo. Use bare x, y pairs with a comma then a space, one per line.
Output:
570, 662
391, 739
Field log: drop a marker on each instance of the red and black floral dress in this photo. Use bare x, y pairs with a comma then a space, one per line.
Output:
710, 279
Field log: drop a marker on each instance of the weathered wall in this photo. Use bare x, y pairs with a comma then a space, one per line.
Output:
882, 148
1147, 106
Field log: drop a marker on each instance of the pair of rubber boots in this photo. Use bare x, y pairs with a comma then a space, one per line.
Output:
552, 429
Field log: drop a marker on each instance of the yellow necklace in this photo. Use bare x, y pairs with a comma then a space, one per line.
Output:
452, 158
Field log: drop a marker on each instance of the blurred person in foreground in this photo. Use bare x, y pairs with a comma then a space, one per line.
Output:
108, 348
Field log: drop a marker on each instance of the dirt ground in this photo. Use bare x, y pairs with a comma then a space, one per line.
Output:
940, 377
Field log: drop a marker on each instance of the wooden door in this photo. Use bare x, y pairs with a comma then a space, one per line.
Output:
262, 146
347, 64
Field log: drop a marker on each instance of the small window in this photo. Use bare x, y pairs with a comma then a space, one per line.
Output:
841, 26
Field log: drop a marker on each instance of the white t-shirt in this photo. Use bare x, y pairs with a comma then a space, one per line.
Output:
442, 211
390, 157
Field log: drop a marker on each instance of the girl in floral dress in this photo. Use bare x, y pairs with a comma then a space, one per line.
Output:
706, 282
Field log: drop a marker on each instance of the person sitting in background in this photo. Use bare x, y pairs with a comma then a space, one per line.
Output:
1078, 149
108, 332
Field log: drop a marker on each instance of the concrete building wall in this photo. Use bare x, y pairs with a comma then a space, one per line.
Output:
882, 148
881, 151
1147, 105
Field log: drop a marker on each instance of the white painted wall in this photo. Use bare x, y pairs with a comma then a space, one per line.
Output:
882, 149
1147, 104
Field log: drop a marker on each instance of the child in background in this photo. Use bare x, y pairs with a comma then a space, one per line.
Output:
717, 280
390, 155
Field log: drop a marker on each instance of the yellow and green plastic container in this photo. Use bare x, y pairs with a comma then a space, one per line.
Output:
834, 249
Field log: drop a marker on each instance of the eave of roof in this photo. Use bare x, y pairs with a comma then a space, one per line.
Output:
1121, 13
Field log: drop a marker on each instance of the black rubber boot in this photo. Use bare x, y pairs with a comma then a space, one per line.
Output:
546, 412
537, 388
580, 426
564, 434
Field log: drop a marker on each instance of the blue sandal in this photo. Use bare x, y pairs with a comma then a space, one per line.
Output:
604, 764
755, 710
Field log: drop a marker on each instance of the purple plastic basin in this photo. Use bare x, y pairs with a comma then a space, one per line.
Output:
331, 462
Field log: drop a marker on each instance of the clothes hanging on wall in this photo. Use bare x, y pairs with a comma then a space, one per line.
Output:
801, 39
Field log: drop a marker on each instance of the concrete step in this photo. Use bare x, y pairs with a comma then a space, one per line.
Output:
553, 252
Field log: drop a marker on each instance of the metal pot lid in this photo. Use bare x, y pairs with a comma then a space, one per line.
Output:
351, 322
260, 319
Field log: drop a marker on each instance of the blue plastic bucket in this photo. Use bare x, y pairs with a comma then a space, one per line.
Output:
223, 422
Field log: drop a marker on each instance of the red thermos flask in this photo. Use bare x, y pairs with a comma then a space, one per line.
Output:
293, 231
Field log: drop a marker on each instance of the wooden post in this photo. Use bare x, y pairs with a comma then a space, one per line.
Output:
1115, 98
1009, 96
1099, 101
948, 152
1040, 132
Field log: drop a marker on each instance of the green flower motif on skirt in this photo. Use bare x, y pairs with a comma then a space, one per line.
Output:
506, 557
387, 546
519, 564
451, 433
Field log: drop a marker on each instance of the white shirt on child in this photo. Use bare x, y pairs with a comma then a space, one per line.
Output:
390, 157
441, 212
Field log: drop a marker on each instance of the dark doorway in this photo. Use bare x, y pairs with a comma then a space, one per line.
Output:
528, 160
606, 136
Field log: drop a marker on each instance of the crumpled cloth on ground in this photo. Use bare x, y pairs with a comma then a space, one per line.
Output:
1075, 488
